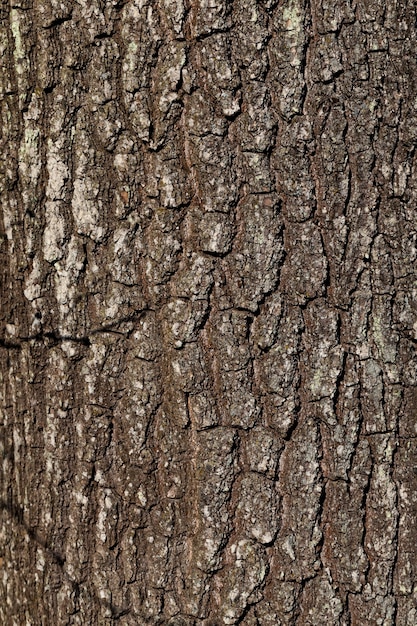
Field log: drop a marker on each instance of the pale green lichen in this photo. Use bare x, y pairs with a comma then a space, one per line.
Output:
317, 382
19, 52
130, 61
30, 138
387, 348
292, 17
20, 57
132, 46
29, 163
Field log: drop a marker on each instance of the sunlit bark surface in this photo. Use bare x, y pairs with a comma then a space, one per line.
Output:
208, 312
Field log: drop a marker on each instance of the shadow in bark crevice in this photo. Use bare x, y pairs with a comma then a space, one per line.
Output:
17, 513
84, 339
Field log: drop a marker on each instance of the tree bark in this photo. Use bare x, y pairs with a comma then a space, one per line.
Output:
208, 312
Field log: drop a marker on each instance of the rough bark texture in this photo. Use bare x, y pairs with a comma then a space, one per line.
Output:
208, 312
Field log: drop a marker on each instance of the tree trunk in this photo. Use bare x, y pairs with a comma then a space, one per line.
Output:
208, 312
